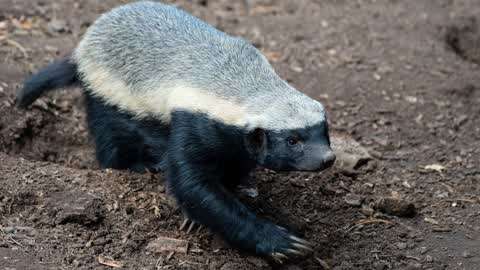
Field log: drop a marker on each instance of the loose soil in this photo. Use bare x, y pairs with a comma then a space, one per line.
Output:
400, 77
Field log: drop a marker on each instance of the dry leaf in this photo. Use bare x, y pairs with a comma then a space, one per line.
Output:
109, 262
272, 56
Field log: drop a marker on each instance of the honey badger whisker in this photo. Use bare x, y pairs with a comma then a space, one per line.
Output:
167, 91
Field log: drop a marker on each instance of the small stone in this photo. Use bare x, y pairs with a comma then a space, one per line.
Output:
351, 156
411, 99
3, 25
401, 245
466, 254
296, 69
423, 250
429, 258
76, 207
395, 206
431, 220
89, 244
332, 52
367, 210
9, 230
57, 26
353, 199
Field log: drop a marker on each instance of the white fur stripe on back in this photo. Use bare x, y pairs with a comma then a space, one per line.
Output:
159, 102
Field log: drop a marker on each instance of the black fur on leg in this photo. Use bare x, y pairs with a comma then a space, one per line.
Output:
202, 156
123, 142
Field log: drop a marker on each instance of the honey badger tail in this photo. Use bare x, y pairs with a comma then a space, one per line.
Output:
58, 74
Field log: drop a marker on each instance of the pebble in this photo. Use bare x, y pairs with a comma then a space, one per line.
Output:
9, 230
57, 25
401, 245
76, 207
350, 154
395, 206
466, 254
353, 199
367, 210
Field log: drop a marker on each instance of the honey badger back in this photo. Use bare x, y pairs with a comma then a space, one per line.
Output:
167, 91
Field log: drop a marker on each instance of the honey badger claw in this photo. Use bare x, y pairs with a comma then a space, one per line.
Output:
184, 224
188, 222
279, 257
192, 224
299, 247
300, 240
190, 227
295, 252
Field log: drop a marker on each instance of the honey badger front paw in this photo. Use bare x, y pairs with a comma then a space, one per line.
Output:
278, 243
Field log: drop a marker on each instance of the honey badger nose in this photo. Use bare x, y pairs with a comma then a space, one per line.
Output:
328, 159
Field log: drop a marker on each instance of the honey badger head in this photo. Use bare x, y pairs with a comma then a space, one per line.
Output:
298, 140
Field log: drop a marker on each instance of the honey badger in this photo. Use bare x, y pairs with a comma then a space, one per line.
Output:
166, 91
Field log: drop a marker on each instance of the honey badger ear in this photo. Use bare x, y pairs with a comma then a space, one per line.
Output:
256, 141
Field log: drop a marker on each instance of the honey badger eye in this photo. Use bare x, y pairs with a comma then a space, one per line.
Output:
292, 140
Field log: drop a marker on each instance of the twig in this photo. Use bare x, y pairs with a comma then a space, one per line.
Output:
373, 220
18, 46
413, 258
9, 238
323, 263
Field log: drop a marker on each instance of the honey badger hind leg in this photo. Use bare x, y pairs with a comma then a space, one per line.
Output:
195, 177
123, 142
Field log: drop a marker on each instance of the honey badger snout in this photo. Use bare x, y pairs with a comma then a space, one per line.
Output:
329, 159
317, 158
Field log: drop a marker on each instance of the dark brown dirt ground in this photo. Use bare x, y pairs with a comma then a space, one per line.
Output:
401, 77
